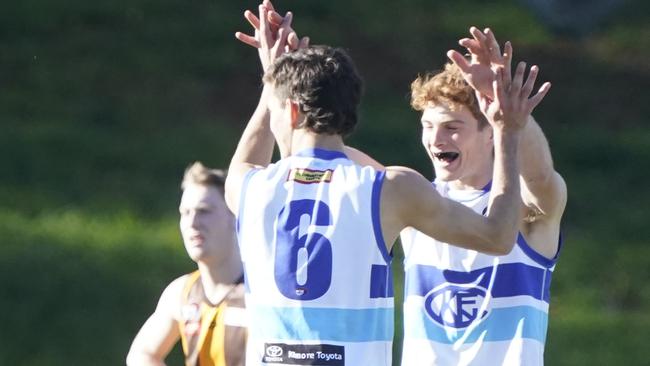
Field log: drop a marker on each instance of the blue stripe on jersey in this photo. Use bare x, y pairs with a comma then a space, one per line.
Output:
328, 324
321, 154
381, 281
534, 255
376, 215
502, 324
512, 279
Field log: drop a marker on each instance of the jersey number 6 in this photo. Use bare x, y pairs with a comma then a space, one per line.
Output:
303, 257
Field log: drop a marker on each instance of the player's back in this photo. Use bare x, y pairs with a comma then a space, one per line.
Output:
317, 268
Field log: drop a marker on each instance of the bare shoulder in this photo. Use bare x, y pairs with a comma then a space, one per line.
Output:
171, 298
406, 182
406, 191
401, 176
234, 181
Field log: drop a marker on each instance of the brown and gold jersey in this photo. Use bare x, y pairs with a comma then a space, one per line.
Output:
212, 335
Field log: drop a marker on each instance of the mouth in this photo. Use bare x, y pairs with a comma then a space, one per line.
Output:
196, 239
446, 157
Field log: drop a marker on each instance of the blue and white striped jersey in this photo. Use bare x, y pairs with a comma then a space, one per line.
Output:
319, 287
462, 307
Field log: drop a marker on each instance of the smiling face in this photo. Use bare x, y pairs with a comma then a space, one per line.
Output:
461, 153
206, 224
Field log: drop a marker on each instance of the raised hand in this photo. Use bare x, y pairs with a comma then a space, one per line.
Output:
271, 45
513, 103
275, 20
485, 59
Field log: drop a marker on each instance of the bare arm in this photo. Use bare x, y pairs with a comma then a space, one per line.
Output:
160, 332
543, 189
255, 148
408, 199
414, 203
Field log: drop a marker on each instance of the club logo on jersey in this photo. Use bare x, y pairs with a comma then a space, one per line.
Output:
457, 305
191, 314
309, 176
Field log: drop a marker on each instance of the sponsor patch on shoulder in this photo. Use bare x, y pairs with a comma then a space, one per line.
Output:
308, 176
304, 354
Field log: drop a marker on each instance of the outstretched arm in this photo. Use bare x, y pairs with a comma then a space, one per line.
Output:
415, 203
543, 189
255, 148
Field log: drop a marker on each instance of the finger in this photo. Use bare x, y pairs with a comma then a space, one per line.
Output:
292, 41
264, 31
281, 42
252, 19
530, 81
483, 102
249, 40
459, 60
286, 24
482, 52
492, 44
304, 43
515, 87
507, 63
268, 5
498, 87
477, 34
472, 45
537, 98
275, 18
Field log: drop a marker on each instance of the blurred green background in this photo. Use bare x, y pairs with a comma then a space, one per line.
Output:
103, 104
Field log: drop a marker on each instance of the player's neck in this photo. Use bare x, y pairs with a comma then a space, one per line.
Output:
303, 140
224, 271
476, 181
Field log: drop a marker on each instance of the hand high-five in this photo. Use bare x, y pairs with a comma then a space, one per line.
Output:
513, 103
485, 59
267, 29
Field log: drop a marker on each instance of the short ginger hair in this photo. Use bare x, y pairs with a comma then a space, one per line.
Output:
449, 88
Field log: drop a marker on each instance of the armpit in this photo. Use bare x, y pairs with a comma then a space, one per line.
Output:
532, 214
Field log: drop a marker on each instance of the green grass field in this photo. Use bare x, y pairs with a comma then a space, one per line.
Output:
102, 105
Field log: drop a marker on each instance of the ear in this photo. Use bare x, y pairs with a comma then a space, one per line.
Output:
294, 111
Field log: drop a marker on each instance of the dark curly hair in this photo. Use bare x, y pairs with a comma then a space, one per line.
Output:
324, 82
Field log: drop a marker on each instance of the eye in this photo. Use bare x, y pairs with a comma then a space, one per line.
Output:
203, 210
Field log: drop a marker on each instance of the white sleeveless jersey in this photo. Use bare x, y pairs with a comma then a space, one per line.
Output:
462, 307
319, 285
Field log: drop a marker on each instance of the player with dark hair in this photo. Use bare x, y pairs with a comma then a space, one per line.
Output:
316, 229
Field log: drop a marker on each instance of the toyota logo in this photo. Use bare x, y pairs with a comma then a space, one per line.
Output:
274, 351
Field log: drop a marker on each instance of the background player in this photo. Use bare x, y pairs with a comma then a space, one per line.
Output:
203, 308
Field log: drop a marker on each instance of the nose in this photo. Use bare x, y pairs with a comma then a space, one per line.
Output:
437, 137
193, 219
